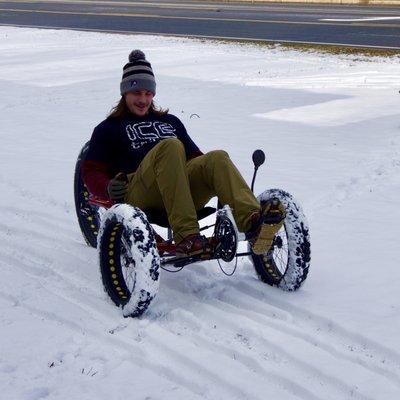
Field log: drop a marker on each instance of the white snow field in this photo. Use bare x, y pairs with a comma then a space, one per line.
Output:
330, 126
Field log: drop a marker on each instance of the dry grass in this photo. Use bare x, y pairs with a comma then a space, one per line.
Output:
312, 48
355, 51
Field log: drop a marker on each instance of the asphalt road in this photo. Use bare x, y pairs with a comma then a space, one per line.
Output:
354, 26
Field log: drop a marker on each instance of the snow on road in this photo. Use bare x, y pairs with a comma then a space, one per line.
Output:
330, 128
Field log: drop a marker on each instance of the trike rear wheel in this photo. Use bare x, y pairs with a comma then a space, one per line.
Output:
88, 217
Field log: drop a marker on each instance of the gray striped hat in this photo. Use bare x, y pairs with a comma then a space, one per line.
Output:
137, 74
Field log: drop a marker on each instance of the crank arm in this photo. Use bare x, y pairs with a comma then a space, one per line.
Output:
187, 260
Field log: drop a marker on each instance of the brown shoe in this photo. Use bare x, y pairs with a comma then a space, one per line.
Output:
193, 245
266, 225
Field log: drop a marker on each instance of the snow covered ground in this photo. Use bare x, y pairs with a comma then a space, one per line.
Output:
330, 127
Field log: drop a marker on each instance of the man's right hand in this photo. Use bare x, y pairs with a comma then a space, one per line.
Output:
117, 187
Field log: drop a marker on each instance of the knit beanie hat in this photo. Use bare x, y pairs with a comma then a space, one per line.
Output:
137, 74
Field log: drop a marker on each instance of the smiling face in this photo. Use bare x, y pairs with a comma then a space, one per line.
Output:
139, 102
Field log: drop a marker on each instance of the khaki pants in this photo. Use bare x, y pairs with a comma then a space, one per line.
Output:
166, 181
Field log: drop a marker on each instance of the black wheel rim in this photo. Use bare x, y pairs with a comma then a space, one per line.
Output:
127, 265
274, 263
279, 253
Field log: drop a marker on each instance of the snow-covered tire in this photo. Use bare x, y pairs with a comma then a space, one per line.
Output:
129, 260
286, 265
88, 216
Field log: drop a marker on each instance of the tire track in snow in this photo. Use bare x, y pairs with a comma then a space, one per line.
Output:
33, 235
298, 319
28, 231
335, 384
42, 264
36, 260
32, 251
37, 270
212, 372
31, 214
343, 387
219, 314
29, 235
90, 313
67, 290
132, 348
248, 361
234, 356
61, 294
304, 333
334, 330
28, 195
340, 352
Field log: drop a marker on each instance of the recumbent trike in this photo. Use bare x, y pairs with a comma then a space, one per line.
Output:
131, 253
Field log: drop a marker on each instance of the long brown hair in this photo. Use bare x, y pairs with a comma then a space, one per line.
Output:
121, 110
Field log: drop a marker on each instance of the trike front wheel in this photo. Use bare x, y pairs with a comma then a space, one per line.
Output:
129, 260
287, 263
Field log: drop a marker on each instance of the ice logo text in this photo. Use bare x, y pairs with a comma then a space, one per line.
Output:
147, 132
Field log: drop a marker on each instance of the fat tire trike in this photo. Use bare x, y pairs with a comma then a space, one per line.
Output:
131, 253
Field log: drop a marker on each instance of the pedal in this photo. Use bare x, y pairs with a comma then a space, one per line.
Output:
275, 212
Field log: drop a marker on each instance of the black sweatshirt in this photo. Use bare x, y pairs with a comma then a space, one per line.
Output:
120, 144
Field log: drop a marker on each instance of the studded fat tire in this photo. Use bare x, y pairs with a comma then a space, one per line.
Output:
129, 260
296, 230
87, 214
